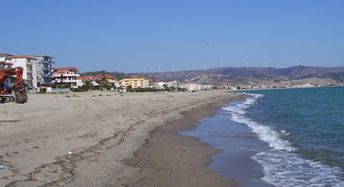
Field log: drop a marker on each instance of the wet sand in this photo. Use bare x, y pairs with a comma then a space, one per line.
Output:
169, 159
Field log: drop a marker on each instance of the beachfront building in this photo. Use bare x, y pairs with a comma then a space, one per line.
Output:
4, 57
25, 62
162, 84
95, 79
36, 69
4, 64
42, 71
135, 82
67, 75
4, 61
196, 87
191, 86
92, 79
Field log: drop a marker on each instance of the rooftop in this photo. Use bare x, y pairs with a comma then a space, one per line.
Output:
4, 54
96, 77
134, 77
21, 56
65, 68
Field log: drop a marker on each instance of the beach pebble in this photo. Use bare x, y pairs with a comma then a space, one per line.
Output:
2, 167
69, 152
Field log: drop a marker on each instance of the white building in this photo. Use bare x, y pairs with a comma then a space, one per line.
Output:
196, 87
36, 69
161, 84
191, 86
3, 57
26, 63
66, 75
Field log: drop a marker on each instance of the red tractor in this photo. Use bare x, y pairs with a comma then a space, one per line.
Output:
7, 75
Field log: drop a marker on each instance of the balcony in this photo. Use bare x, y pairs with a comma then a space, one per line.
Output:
66, 75
44, 68
63, 80
70, 81
48, 62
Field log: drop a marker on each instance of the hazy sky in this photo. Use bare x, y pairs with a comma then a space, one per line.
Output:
133, 36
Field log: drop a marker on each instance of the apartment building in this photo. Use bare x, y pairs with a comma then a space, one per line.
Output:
196, 87
94, 78
4, 61
36, 69
161, 84
4, 56
66, 75
135, 82
42, 71
25, 62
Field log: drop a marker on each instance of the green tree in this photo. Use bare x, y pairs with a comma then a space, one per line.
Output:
166, 87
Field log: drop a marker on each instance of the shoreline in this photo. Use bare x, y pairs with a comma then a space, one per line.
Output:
81, 139
170, 159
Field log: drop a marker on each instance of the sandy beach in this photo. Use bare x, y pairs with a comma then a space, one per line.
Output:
169, 159
89, 139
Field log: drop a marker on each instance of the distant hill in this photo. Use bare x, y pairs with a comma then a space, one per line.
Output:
251, 75
247, 76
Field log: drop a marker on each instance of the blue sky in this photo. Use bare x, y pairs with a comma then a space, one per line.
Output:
133, 36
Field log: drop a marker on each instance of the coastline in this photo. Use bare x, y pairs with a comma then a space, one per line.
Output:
170, 159
80, 139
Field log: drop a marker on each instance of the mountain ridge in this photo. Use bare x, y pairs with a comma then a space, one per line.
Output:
250, 75
242, 75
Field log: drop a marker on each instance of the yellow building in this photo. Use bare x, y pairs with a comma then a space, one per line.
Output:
135, 82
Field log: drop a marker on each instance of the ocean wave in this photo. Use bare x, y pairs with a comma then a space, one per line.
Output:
281, 164
286, 169
264, 132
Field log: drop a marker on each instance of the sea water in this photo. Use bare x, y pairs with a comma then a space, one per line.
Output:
288, 137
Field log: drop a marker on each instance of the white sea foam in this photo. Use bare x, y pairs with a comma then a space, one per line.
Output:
286, 169
264, 132
281, 165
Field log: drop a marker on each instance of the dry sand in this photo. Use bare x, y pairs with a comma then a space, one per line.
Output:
81, 139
